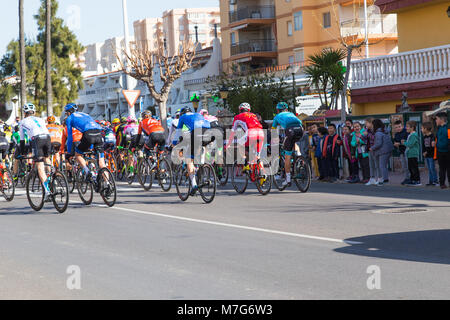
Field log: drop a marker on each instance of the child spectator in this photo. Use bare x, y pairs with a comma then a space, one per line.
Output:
323, 169
349, 155
412, 145
359, 142
332, 152
313, 142
428, 147
443, 148
401, 134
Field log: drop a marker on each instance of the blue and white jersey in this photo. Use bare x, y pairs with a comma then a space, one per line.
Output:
82, 122
191, 121
286, 120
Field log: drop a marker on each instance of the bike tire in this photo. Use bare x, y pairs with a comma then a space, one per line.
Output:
280, 173
60, 186
207, 171
35, 189
182, 181
263, 179
165, 176
302, 174
85, 189
108, 190
236, 174
8, 181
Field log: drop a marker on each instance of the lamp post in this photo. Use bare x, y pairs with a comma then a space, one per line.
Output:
195, 99
118, 102
224, 95
14, 100
294, 69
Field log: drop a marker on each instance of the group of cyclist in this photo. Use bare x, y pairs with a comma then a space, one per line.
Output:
80, 133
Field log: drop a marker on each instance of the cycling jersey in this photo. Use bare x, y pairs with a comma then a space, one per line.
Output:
76, 137
131, 129
82, 122
249, 119
56, 132
32, 126
286, 120
254, 133
108, 135
192, 121
149, 126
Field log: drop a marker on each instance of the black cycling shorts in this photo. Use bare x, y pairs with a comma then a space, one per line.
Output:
41, 146
4, 147
199, 139
90, 138
138, 144
293, 135
56, 146
156, 138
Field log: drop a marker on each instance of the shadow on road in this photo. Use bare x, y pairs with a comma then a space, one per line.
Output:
430, 246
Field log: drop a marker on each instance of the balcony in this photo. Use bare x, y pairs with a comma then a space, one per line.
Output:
407, 67
385, 26
253, 47
252, 15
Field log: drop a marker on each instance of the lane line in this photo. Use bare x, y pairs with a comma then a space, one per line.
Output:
235, 226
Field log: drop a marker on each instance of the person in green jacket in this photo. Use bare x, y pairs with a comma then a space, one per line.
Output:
359, 142
412, 153
443, 148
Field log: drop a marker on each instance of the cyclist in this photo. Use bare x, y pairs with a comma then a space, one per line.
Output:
130, 131
121, 140
36, 129
293, 133
91, 135
214, 123
108, 136
4, 146
197, 125
254, 134
153, 130
115, 123
173, 127
56, 133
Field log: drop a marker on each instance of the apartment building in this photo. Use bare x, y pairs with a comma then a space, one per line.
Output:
261, 33
178, 25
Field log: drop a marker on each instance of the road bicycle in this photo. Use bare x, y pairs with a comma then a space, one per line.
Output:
259, 173
103, 183
300, 172
155, 165
7, 187
59, 191
129, 172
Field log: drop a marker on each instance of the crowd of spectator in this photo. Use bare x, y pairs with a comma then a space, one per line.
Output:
365, 149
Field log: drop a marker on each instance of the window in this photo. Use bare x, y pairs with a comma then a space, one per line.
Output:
326, 20
298, 21
299, 54
233, 38
289, 28
291, 59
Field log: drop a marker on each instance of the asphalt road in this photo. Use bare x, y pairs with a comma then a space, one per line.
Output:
324, 244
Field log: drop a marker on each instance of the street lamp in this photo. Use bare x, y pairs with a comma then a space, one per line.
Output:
224, 95
118, 101
294, 69
195, 99
14, 100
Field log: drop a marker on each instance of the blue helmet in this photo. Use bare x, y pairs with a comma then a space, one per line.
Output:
282, 106
71, 107
185, 110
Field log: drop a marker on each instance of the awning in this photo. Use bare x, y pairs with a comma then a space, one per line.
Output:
241, 26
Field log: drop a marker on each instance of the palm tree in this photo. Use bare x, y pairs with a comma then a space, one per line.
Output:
48, 48
23, 71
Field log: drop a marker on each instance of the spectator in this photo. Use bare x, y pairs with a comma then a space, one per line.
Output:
401, 134
374, 170
412, 145
313, 142
332, 144
359, 142
323, 169
382, 151
303, 144
443, 148
428, 147
349, 123
349, 155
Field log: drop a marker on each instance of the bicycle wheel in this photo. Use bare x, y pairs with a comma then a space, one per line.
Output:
222, 173
182, 182
112, 165
206, 180
35, 191
7, 185
85, 189
280, 175
107, 187
164, 175
263, 176
239, 178
145, 175
302, 174
60, 192
120, 168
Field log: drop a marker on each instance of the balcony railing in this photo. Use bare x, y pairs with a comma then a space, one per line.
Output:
255, 12
412, 66
252, 46
385, 24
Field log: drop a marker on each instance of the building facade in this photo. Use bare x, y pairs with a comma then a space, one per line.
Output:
262, 33
421, 69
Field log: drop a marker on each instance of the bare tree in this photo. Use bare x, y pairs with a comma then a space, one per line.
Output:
141, 62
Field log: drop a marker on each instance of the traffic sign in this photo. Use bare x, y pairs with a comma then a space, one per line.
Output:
131, 96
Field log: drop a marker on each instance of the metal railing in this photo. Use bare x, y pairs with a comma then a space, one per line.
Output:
254, 12
251, 46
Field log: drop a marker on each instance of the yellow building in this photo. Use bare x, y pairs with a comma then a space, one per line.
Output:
267, 33
421, 68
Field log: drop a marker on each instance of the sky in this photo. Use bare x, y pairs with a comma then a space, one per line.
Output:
91, 20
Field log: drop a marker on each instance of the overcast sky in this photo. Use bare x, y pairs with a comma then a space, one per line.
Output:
98, 19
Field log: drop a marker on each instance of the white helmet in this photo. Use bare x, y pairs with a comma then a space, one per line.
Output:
29, 107
244, 107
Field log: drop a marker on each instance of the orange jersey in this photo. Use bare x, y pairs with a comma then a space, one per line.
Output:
55, 131
76, 136
149, 126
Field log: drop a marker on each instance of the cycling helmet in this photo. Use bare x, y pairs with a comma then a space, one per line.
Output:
123, 120
244, 107
185, 110
51, 119
146, 113
71, 107
282, 106
131, 119
29, 107
203, 112
116, 121
178, 113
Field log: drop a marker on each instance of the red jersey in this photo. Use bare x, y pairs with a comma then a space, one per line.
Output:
149, 126
76, 136
250, 120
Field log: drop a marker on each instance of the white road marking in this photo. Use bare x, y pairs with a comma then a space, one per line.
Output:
236, 226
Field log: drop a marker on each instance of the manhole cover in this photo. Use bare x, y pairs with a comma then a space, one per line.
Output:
401, 210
